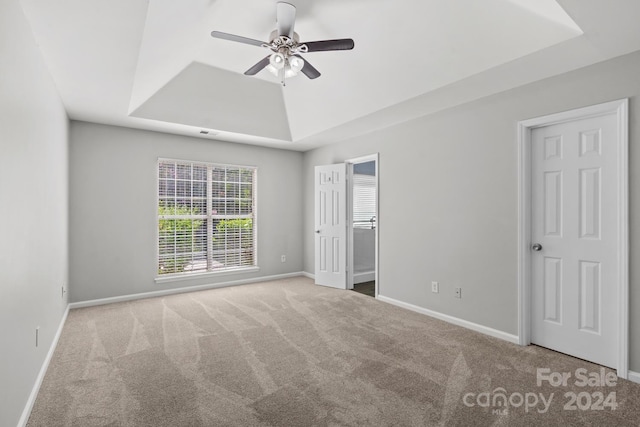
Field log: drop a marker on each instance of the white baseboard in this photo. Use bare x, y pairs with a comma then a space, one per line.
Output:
43, 370
367, 276
165, 292
309, 275
454, 320
634, 376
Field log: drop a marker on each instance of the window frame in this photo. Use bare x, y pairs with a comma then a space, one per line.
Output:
208, 217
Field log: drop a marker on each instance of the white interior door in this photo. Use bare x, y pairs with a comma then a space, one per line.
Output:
574, 233
331, 226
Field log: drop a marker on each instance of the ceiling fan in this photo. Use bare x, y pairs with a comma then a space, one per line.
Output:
285, 60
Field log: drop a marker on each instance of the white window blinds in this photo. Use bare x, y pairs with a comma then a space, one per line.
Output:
364, 201
206, 217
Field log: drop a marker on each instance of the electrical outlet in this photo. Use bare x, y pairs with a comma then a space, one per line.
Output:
283, 258
63, 291
37, 333
435, 288
458, 292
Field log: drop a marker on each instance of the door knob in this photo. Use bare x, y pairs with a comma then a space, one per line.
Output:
536, 247
318, 231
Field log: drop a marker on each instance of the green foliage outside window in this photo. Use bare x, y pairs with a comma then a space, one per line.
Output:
177, 235
238, 235
232, 225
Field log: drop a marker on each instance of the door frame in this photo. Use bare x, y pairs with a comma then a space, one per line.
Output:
621, 109
350, 262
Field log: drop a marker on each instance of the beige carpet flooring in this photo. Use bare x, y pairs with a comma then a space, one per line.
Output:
288, 353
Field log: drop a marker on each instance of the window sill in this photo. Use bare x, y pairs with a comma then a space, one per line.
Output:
192, 276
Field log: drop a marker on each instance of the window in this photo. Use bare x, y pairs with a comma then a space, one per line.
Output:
206, 217
364, 201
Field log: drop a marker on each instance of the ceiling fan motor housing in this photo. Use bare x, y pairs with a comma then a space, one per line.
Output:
274, 35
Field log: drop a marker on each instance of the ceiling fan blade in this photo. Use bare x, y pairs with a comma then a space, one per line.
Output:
308, 69
285, 18
258, 67
325, 45
234, 38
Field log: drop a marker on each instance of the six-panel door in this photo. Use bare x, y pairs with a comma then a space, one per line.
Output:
574, 275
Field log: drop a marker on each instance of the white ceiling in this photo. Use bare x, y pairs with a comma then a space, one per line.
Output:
152, 64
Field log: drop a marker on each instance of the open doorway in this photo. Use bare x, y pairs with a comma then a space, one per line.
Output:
363, 225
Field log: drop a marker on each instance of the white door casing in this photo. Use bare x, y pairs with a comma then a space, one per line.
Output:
573, 192
331, 225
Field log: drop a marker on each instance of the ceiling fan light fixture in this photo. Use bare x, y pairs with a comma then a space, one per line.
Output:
296, 63
277, 61
293, 67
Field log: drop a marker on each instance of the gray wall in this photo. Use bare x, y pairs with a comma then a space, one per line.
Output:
448, 195
113, 207
33, 211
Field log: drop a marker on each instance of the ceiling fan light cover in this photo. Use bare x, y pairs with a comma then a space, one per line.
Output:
289, 72
277, 61
296, 63
273, 70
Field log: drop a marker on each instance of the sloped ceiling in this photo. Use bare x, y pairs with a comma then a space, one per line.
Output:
153, 65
